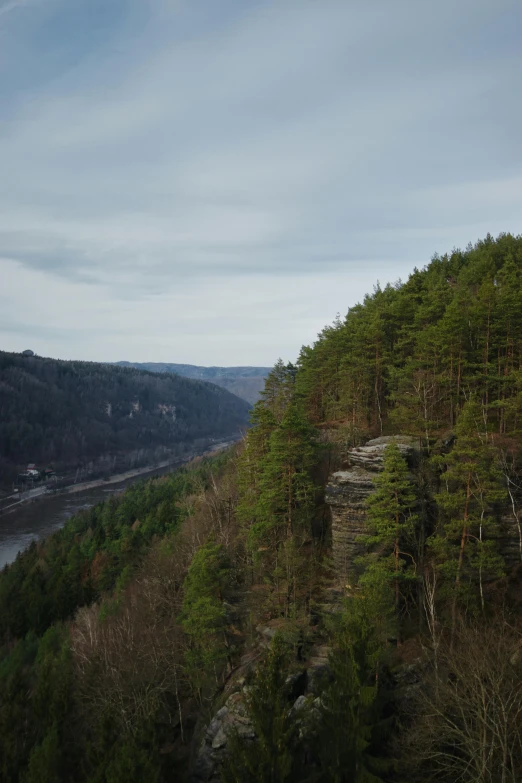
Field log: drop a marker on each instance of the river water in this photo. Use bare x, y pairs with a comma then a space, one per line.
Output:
36, 520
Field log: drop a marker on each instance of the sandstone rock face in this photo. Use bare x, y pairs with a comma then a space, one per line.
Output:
231, 717
347, 495
305, 685
370, 457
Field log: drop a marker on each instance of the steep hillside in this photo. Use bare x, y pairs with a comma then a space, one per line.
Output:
245, 382
410, 355
74, 413
317, 604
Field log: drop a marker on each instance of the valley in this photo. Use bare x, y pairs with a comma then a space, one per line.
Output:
334, 597
39, 515
36, 513
214, 569
244, 382
96, 420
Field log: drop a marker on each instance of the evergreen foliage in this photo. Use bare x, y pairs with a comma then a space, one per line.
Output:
471, 487
118, 631
351, 723
392, 518
410, 355
41, 712
277, 493
203, 613
272, 757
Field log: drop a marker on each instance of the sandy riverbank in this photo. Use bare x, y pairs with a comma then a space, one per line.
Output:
119, 477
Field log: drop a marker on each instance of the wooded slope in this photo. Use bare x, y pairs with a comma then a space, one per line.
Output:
409, 356
73, 413
127, 639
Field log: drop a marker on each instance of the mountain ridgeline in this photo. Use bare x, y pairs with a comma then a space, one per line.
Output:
101, 417
410, 356
336, 598
245, 382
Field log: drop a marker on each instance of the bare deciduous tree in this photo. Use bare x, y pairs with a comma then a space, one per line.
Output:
130, 663
467, 719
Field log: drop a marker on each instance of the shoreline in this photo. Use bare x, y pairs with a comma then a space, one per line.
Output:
117, 477
42, 494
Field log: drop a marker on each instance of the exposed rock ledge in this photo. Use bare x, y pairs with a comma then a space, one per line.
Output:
232, 717
371, 455
347, 494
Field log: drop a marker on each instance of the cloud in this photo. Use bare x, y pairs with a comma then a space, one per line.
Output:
11, 5
154, 153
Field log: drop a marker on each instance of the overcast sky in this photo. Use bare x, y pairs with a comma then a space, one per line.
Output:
211, 181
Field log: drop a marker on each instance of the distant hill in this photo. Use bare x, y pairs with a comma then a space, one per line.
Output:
245, 382
104, 417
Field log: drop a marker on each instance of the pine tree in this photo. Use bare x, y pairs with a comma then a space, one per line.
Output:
272, 756
279, 389
393, 521
266, 416
472, 485
45, 761
203, 614
351, 706
283, 511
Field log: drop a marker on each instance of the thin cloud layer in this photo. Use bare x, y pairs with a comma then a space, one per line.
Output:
211, 182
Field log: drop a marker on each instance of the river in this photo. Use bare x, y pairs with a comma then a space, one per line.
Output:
36, 520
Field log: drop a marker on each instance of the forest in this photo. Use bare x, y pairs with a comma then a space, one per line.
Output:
197, 627
103, 418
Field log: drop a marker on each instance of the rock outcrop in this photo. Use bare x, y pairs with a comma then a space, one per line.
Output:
303, 686
347, 494
370, 457
231, 718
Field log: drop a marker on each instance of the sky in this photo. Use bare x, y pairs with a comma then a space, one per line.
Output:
212, 181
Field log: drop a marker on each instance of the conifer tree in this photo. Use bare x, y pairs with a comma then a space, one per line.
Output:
255, 448
272, 756
392, 518
266, 416
279, 389
282, 514
471, 486
203, 614
350, 712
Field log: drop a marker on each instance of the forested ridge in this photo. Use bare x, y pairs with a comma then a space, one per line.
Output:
101, 417
175, 633
411, 354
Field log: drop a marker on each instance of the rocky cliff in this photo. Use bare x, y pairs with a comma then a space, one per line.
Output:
347, 494
232, 718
